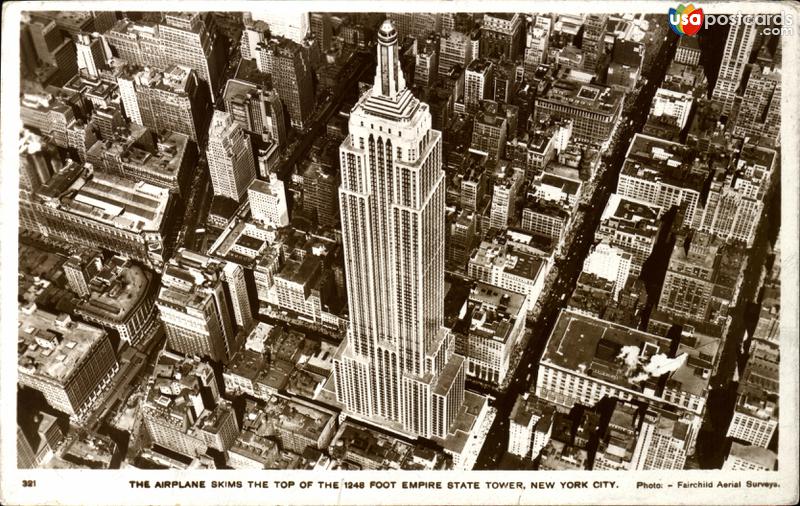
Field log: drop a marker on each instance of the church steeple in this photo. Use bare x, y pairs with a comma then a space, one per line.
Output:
389, 81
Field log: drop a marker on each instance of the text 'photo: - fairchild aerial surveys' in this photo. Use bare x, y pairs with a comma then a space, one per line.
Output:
339, 241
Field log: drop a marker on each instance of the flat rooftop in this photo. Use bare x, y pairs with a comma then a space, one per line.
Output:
754, 454
597, 348
52, 346
660, 160
130, 205
302, 271
568, 186
592, 97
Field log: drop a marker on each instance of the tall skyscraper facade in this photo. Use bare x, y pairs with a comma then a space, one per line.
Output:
292, 77
734, 58
398, 363
188, 39
230, 157
594, 31
91, 55
173, 99
203, 302
256, 109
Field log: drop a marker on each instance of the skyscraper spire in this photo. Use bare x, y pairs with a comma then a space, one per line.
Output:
389, 81
398, 364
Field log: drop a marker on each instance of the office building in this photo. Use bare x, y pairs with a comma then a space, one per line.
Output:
182, 409
494, 324
661, 173
610, 263
509, 268
734, 59
204, 306
91, 53
297, 287
593, 109
184, 39
320, 191
749, 458
461, 239
69, 362
173, 99
230, 157
755, 417
664, 439
625, 67
90, 208
54, 50
617, 439
268, 202
545, 218
294, 26
688, 51
415, 24
731, 212
593, 43
120, 297
501, 35
530, 426
477, 83
292, 77
490, 131
504, 196
537, 39
397, 362
455, 49
426, 67
166, 159
256, 109
760, 111
671, 107
632, 226
703, 278
37, 445
322, 29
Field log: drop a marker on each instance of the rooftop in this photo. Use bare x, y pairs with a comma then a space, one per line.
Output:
117, 289
568, 186
181, 393
52, 346
659, 160
122, 203
188, 279
755, 454
620, 355
362, 442
163, 157
302, 272
298, 417
526, 408
593, 97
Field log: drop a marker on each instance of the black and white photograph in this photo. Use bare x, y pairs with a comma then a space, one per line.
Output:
358, 255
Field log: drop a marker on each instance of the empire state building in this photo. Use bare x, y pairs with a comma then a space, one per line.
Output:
397, 364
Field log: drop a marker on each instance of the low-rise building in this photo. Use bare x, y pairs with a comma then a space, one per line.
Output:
494, 324
183, 411
749, 458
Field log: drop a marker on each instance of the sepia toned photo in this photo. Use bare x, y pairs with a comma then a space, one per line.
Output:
524, 242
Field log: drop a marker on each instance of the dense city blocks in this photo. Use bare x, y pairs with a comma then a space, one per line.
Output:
397, 241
